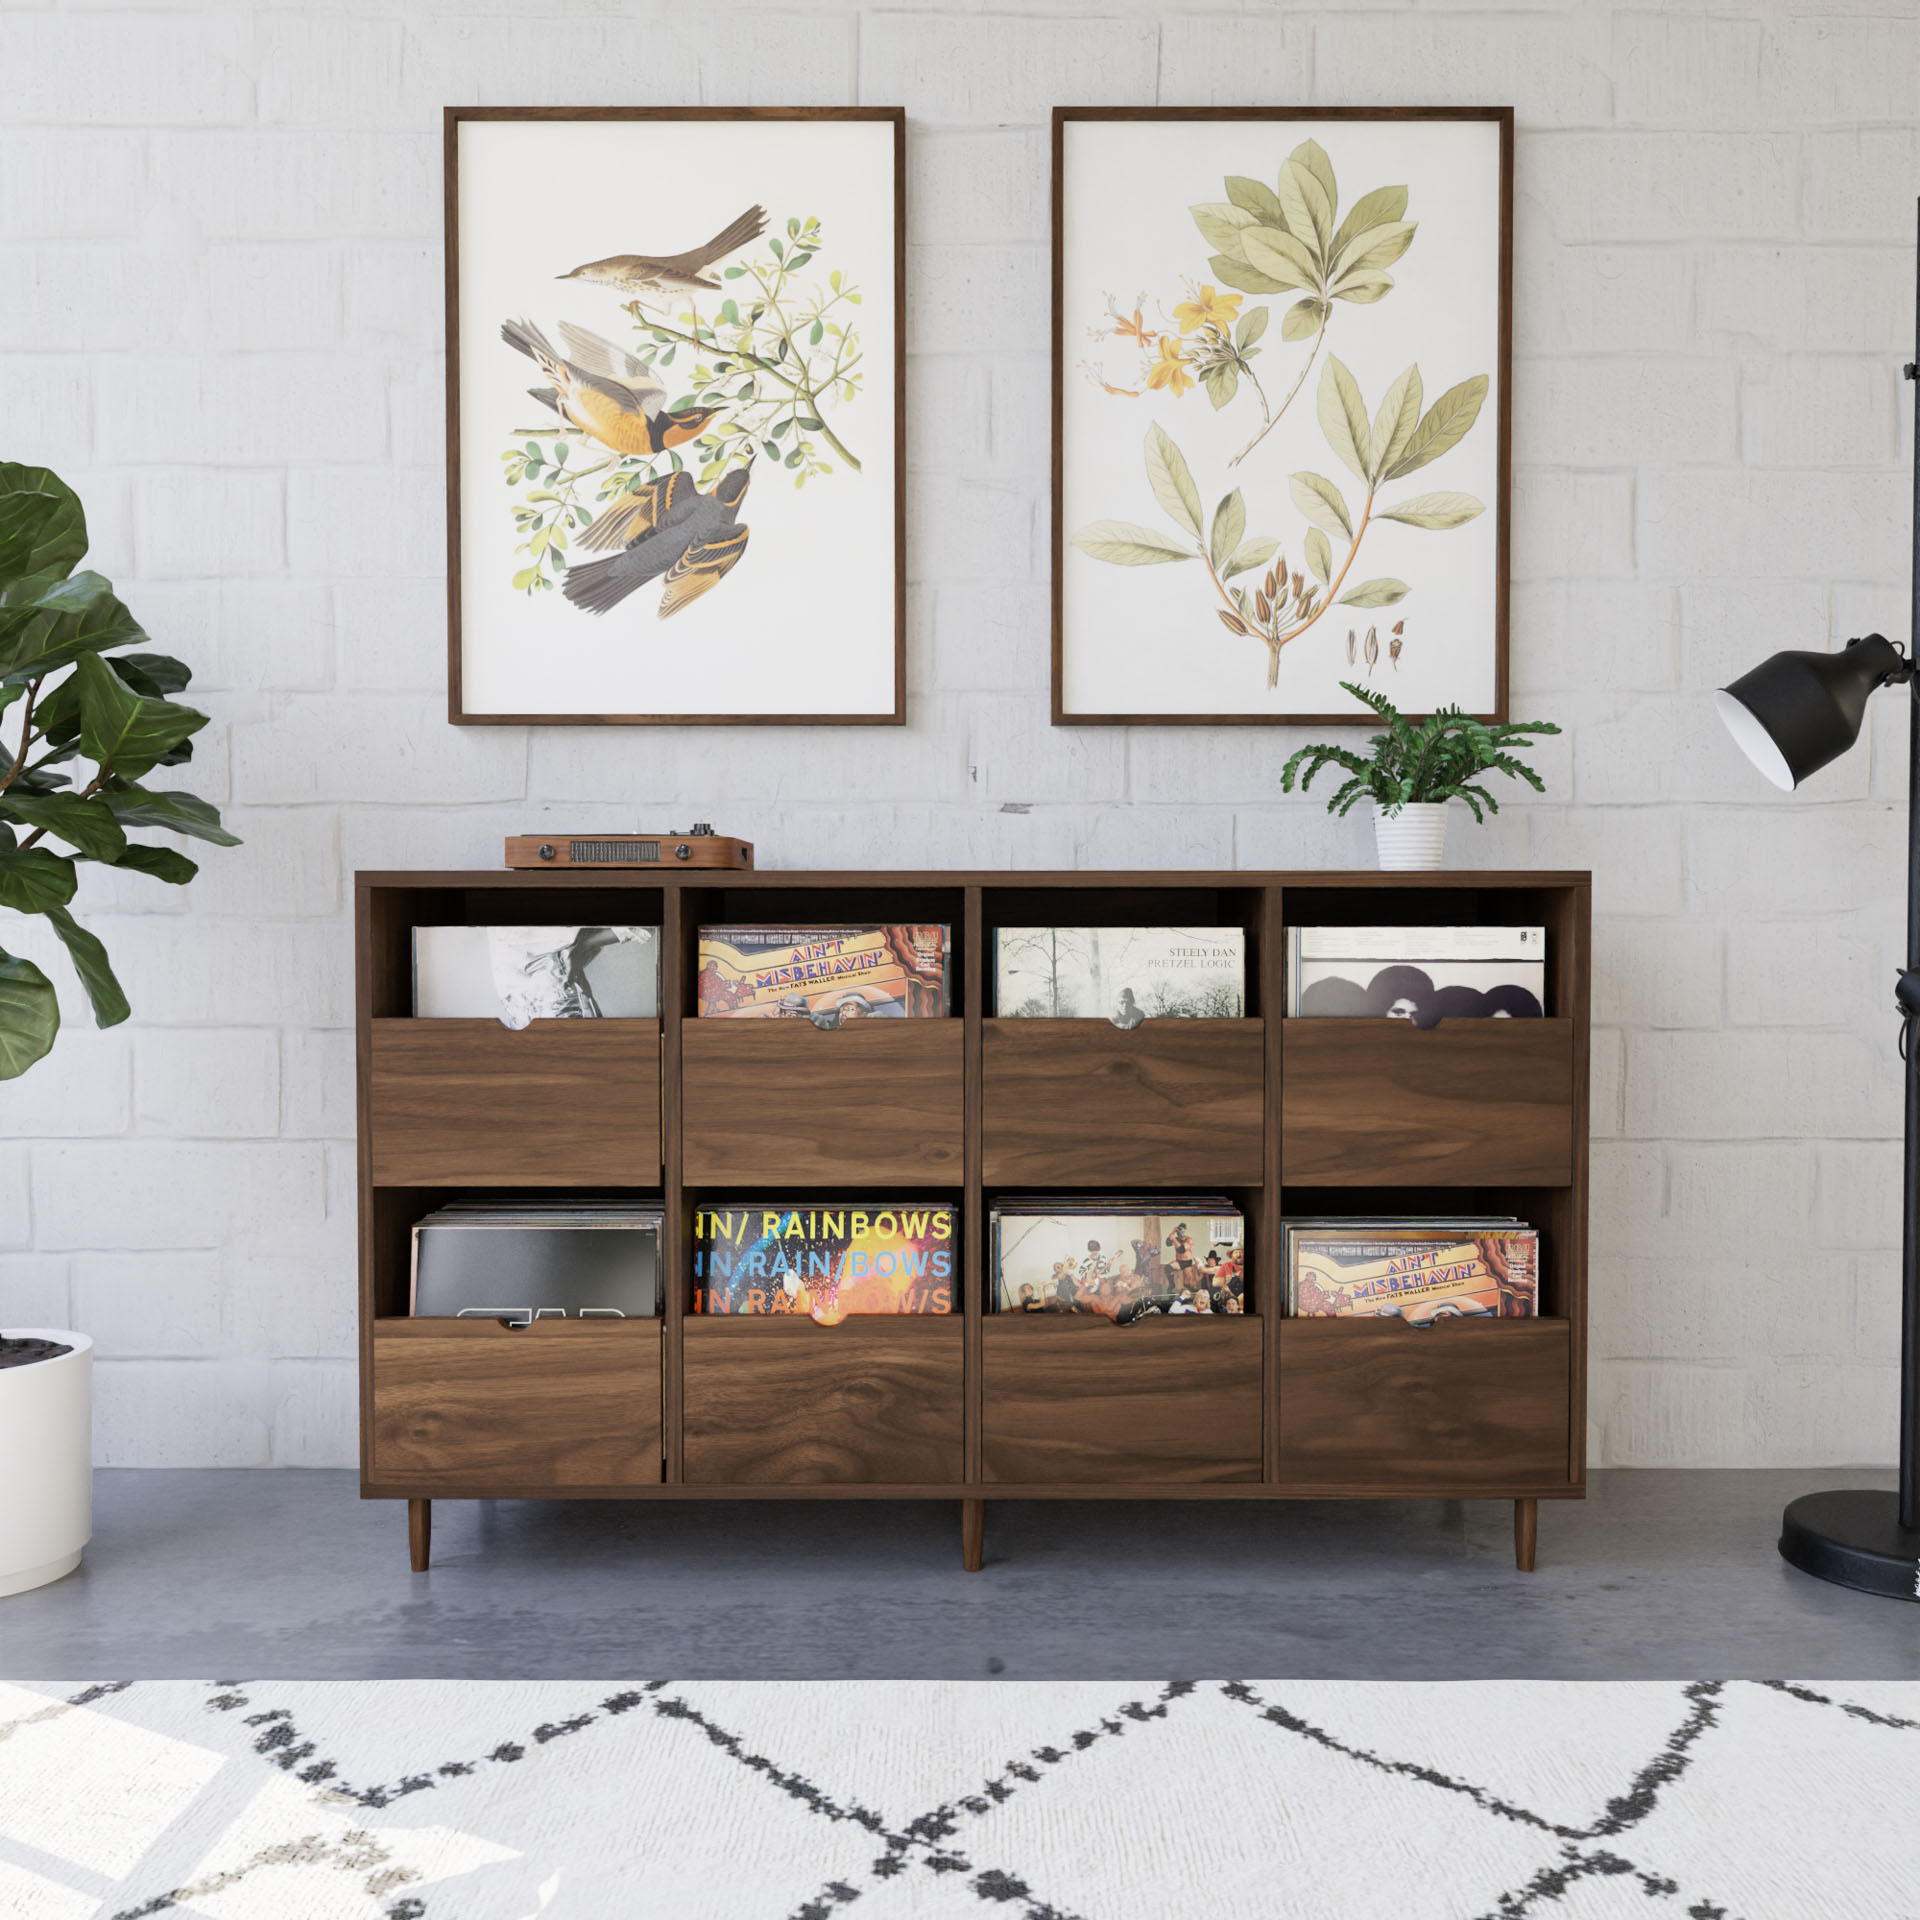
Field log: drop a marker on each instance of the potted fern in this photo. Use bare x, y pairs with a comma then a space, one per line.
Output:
85, 743
1415, 768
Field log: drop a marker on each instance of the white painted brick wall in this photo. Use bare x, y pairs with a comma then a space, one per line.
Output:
219, 245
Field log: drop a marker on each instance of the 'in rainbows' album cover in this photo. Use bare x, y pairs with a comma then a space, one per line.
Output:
828, 1261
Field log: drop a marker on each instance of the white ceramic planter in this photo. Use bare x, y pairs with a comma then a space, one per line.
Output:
46, 1462
1412, 840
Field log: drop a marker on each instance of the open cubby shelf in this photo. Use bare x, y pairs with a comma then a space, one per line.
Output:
1287, 1117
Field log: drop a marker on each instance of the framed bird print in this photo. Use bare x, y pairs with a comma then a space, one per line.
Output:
674, 420
1281, 380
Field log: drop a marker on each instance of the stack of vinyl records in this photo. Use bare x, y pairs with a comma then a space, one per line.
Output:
826, 1258
520, 974
1124, 974
824, 974
1422, 974
1414, 1269
1124, 1257
524, 1260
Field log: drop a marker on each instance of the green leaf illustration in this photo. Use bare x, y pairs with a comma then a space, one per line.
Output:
1363, 288
1172, 483
1253, 323
1446, 424
1313, 156
1302, 320
1236, 273
1376, 209
1221, 226
1376, 593
1393, 425
1256, 198
1309, 213
1319, 555
1252, 553
29, 1014
1434, 510
1221, 383
1320, 501
1281, 258
1229, 527
1123, 544
1343, 419
1376, 247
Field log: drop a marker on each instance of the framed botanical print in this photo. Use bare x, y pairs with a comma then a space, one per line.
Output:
1281, 392
675, 355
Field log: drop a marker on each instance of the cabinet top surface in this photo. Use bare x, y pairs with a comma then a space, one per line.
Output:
774, 877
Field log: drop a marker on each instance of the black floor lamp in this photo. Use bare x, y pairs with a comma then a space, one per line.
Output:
1791, 715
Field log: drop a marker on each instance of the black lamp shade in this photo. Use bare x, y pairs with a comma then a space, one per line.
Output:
1797, 711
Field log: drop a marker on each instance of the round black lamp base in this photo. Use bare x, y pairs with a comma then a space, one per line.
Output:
1854, 1539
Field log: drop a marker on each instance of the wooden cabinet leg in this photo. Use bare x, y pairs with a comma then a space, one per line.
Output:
973, 1534
1526, 1533
420, 1533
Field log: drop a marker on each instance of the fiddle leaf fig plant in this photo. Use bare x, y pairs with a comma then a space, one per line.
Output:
1420, 762
81, 737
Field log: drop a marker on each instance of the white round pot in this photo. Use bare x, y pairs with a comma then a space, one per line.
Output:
1412, 840
46, 1462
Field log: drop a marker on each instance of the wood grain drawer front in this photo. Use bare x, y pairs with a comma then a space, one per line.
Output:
1368, 1103
473, 1103
1174, 1100
774, 1102
536, 1409
1079, 1402
874, 1401
1379, 1407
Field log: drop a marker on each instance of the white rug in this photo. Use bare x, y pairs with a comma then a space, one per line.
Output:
877, 1800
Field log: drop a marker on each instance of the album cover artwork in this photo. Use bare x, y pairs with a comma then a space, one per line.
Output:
1422, 974
844, 973
1122, 974
534, 1260
1122, 1265
827, 1260
521, 974
1416, 1274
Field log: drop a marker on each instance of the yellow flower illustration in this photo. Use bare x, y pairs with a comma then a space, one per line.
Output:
1221, 309
1170, 370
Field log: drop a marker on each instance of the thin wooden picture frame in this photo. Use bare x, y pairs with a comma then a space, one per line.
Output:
1500, 117
458, 713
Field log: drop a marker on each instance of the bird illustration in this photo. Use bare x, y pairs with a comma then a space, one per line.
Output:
603, 390
668, 526
639, 274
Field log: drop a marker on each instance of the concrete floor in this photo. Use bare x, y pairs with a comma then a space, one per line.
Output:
289, 1574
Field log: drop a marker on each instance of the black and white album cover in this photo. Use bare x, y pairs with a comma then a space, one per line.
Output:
1122, 974
519, 974
1422, 974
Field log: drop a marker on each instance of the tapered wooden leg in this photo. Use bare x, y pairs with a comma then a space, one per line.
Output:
420, 1533
1526, 1533
973, 1534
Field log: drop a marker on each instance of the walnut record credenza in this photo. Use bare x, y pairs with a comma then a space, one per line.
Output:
1288, 1116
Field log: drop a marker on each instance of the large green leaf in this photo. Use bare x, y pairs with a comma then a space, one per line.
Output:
29, 1015
1253, 323
89, 959
1321, 502
1445, 426
1255, 197
154, 674
1229, 525
1376, 593
1311, 155
87, 825
163, 863
120, 728
1281, 258
1435, 511
1222, 383
64, 620
1309, 214
1375, 247
1236, 273
1319, 556
1343, 419
179, 812
33, 881
1376, 209
1172, 481
1303, 320
1252, 553
1363, 287
1221, 225
1393, 425
42, 526
1125, 545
